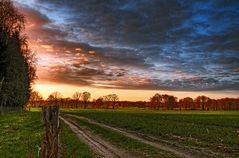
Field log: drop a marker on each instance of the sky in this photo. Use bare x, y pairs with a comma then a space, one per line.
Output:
135, 48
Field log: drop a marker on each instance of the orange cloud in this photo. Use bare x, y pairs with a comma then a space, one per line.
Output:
78, 49
84, 60
67, 51
48, 48
91, 52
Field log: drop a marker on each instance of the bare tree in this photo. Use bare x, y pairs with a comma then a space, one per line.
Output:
156, 101
35, 97
169, 101
202, 102
54, 97
111, 99
114, 99
76, 97
186, 103
85, 98
99, 102
50, 98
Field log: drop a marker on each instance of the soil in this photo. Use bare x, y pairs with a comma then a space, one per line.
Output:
99, 146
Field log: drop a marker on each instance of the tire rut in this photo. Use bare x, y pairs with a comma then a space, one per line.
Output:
98, 146
158, 145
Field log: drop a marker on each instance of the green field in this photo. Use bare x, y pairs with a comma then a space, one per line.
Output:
132, 146
208, 132
213, 133
21, 135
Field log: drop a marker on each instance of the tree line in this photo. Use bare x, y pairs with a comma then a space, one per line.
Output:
156, 102
170, 102
78, 100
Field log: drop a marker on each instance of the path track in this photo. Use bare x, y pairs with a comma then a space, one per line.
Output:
158, 145
99, 146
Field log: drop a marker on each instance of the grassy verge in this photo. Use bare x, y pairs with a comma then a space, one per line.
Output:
71, 144
132, 146
20, 134
207, 131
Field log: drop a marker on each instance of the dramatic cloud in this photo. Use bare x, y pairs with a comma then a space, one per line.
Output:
136, 44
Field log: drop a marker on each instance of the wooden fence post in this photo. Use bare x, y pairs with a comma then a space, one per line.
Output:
51, 142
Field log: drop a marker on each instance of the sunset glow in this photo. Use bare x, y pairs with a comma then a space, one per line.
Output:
119, 78
126, 95
134, 49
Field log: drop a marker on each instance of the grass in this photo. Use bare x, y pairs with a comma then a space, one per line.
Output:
20, 134
132, 146
205, 131
73, 146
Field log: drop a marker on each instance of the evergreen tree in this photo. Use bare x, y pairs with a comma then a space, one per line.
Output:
17, 62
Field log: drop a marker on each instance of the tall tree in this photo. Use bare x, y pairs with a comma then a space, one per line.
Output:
156, 101
111, 99
34, 99
17, 62
99, 102
85, 98
114, 99
76, 97
169, 101
54, 98
202, 101
186, 103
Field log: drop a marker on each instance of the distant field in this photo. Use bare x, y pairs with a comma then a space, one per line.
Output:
214, 133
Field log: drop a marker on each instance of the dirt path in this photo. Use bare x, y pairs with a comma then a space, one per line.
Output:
176, 151
99, 146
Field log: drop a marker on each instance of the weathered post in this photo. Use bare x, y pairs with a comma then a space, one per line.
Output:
51, 121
